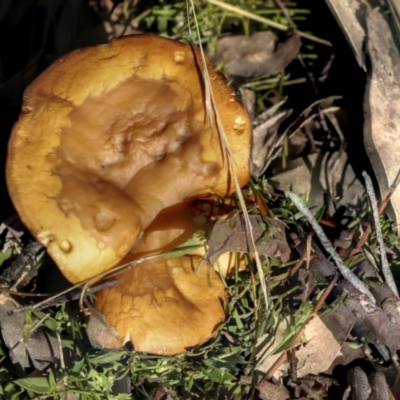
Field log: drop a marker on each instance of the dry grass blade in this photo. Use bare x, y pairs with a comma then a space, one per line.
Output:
266, 21
212, 108
381, 209
387, 273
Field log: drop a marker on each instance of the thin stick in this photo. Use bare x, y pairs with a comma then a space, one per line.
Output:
61, 298
266, 21
23, 294
346, 272
308, 260
381, 209
119, 269
387, 273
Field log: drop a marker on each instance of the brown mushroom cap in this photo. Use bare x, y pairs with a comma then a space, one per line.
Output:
165, 306
111, 135
156, 298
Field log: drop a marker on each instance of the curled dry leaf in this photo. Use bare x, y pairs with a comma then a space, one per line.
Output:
265, 138
381, 128
350, 16
370, 36
258, 55
166, 305
267, 142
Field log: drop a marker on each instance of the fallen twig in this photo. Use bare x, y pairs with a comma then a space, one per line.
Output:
346, 272
381, 209
387, 273
62, 298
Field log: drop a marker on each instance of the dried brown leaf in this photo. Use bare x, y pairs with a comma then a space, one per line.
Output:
100, 332
230, 235
268, 390
40, 350
348, 14
317, 352
266, 138
381, 129
258, 55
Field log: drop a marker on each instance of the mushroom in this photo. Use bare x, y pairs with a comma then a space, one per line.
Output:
111, 135
113, 146
165, 306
